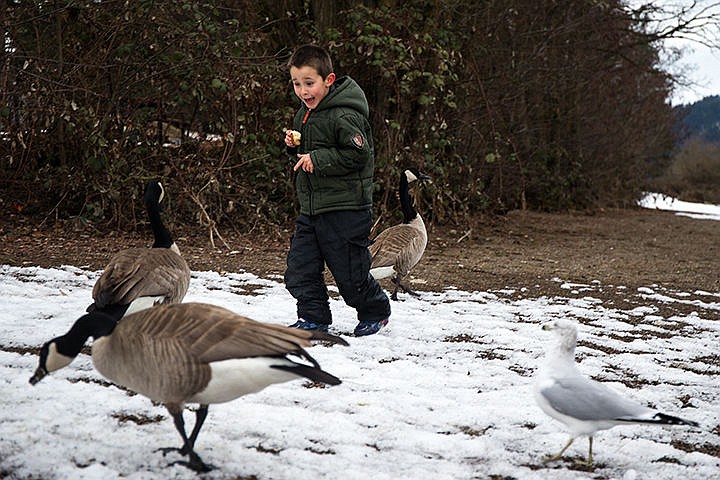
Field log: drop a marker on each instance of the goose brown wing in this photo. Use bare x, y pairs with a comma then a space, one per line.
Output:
249, 338
413, 253
389, 245
211, 333
142, 272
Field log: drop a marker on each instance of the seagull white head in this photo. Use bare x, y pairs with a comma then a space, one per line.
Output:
566, 331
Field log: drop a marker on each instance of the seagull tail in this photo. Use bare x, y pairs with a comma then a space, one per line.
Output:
672, 420
662, 419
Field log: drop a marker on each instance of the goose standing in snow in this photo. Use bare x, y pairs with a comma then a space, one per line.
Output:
584, 405
188, 353
397, 249
138, 278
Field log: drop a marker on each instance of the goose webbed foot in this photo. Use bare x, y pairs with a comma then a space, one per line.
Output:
194, 461
399, 284
165, 450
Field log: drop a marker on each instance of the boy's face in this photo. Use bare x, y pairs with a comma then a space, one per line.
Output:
309, 86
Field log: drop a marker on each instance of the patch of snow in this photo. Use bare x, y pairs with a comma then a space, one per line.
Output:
444, 392
703, 211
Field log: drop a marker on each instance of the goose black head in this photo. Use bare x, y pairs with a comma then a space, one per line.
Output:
50, 360
413, 174
61, 351
154, 193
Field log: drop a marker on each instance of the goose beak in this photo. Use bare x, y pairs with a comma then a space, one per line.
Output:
422, 176
39, 375
547, 327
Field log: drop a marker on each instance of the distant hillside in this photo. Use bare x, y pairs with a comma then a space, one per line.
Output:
701, 120
693, 171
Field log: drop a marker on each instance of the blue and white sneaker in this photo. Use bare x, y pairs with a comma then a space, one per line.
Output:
365, 327
305, 325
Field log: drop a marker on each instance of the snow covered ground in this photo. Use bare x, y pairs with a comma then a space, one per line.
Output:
445, 392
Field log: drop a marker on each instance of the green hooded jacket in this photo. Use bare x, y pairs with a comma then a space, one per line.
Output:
338, 137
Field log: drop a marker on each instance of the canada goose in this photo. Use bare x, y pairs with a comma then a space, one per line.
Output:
397, 249
584, 405
138, 278
188, 353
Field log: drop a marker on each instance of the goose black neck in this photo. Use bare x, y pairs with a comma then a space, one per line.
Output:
409, 212
163, 239
94, 324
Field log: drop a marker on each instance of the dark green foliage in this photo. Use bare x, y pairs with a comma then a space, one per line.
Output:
507, 104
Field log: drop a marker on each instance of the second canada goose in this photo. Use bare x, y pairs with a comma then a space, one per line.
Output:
397, 249
138, 278
188, 353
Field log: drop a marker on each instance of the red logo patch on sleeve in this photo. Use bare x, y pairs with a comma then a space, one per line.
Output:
357, 140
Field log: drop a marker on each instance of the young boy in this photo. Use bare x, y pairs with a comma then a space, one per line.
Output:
334, 163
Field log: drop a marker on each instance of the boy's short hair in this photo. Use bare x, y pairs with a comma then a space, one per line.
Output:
312, 56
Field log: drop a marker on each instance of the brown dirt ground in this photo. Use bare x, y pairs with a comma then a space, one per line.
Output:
526, 252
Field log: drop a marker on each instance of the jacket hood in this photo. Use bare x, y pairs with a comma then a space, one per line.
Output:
345, 92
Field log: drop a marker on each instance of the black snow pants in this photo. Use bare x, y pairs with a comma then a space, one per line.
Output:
340, 241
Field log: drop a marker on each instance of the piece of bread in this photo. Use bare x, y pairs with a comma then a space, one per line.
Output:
295, 137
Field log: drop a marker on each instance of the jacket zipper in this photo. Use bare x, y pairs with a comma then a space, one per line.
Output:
309, 183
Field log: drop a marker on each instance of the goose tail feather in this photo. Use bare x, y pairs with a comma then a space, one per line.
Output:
311, 373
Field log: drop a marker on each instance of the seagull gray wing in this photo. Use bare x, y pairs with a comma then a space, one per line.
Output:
583, 399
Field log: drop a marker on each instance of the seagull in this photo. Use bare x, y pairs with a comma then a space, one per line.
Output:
584, 405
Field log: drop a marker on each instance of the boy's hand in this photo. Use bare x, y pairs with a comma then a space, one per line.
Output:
304, 162
292, 138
